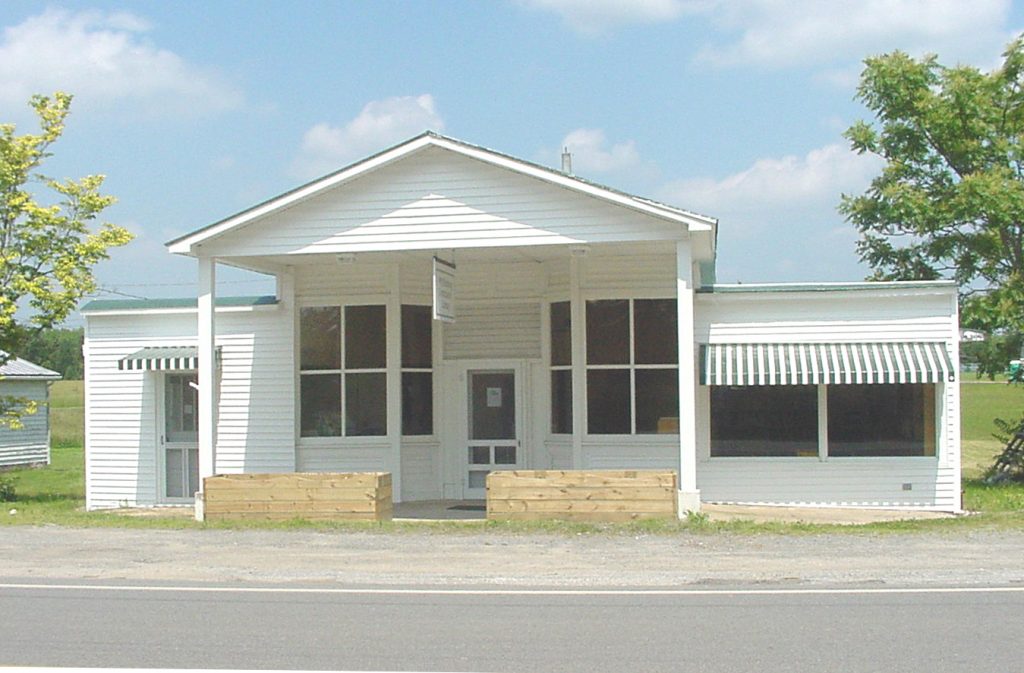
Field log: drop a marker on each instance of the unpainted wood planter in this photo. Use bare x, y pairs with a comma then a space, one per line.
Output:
581, 495
318, 496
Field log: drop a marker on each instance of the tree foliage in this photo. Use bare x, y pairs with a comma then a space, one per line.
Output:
59, 349
949, 202
49, 243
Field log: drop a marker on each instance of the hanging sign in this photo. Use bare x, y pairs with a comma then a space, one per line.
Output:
444, 290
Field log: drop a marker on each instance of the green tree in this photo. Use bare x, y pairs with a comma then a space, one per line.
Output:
59, 349
49, 247
949, 202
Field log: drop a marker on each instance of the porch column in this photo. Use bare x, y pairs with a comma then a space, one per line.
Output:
393, 378
689, 496
207, 371
285, 293
577, 315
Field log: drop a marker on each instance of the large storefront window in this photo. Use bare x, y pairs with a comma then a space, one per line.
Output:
884, 420
632, 367
342, 367
774, 421
862, 420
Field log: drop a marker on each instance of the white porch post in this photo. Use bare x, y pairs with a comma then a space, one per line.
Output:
393, 346
207, 374
689, 496
577, 316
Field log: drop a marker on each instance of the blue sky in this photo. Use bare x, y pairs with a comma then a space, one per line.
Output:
195, 110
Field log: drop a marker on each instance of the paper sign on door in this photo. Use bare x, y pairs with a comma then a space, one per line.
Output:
494, 397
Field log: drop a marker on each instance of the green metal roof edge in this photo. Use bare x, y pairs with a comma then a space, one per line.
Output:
99, 305
863, 286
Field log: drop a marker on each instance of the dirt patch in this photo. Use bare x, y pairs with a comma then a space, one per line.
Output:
979, 558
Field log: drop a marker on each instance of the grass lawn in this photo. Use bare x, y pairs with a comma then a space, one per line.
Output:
55, 494
67, 413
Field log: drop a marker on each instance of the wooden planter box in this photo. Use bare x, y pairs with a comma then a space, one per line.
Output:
575, 495
319, 496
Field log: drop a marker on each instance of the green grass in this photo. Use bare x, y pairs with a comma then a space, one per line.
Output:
55, 494
67, 414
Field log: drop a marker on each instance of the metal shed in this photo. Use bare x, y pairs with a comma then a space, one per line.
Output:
30, 444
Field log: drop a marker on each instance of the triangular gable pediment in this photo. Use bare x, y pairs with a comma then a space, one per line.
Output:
436, 197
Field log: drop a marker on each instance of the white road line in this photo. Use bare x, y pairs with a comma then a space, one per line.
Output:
519, 592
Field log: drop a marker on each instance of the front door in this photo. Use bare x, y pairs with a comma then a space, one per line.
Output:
493, 432
180, 437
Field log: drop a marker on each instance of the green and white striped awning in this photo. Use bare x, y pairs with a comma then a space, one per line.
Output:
783, 364
168, 358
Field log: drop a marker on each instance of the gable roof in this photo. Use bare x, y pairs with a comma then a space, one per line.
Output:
17, 369
694, 222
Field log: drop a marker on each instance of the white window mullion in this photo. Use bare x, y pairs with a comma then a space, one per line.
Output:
822, 422
632, 368
341, 347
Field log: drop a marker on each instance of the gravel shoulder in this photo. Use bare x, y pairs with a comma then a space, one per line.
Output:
430, 558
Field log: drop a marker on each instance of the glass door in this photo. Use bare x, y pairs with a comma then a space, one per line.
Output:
181, 437
493, 442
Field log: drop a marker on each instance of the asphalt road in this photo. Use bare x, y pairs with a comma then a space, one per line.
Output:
438, 629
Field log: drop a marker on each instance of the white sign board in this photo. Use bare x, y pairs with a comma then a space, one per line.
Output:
494, 397
444, 291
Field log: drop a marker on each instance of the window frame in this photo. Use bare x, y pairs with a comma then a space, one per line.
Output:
552, 368
631, 366
938, 429
340, 372
402, 370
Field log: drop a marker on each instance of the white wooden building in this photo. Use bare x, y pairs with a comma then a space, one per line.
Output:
588, 333
30, 443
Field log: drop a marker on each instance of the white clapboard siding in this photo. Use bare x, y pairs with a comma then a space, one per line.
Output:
822, 317
855, 482
29, 444
835, 316
436, 199
631, 453
421, 470
494, 330
256, 407
560, 453
355, 455
500, 281
623, 276
417, 281
558, 279
327, 284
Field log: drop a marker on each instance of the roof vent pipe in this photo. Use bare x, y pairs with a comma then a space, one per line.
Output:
566, 161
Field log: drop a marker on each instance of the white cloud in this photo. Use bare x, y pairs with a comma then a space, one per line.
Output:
591, 152
105, 61
380, 123
780, 33
596, 17
782, 213
779, 184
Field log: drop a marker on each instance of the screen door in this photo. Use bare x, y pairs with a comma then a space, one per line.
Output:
493, 438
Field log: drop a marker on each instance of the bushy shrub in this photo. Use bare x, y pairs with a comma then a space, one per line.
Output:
7, 491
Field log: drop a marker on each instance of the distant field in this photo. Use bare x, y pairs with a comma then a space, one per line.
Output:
67, 413
980, 403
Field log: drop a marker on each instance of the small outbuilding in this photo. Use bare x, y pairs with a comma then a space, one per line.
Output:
29, 444
443, 310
